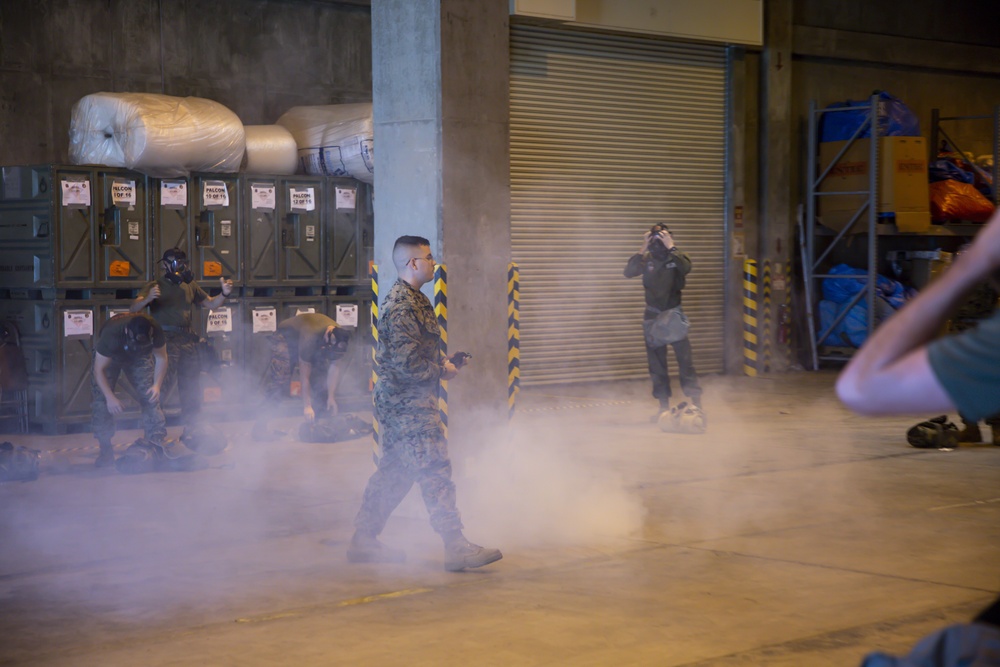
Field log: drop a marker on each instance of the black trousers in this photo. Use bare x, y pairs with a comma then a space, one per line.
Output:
659, 372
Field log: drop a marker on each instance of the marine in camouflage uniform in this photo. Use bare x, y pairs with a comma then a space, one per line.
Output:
410, 367
170, 299
409, 362
115, 354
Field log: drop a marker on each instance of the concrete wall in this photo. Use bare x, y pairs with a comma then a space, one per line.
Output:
257, 57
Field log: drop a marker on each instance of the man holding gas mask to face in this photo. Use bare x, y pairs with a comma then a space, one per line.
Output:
133, 344
169, 299
664, 269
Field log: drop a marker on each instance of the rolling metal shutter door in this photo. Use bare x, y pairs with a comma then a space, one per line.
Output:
608, 135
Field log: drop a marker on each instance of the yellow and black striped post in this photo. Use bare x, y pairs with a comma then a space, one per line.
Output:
786, 319
513, 336
765, 306
373, 274
750, 317
441, 312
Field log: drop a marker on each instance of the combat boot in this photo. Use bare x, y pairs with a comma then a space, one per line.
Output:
970, 432
996, 433
107, 456
461, 554
365, 548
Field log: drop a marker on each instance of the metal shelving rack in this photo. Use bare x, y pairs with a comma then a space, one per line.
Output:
937, 132
866, 213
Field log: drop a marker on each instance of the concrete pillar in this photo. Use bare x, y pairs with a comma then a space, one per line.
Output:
440, 72
777, 221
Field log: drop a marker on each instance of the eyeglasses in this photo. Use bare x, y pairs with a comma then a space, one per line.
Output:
428, 258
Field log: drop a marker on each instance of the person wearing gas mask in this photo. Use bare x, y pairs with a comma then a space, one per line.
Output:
317, 344
133, 344
169, 299
664, 268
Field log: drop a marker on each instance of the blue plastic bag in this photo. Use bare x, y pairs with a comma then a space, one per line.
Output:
841, 290
895, 119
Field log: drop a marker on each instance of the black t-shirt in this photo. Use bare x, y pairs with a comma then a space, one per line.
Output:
112, 336
173, 307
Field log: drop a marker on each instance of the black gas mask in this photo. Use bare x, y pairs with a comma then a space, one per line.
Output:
175, 266
137, 337
656, 247
334, 345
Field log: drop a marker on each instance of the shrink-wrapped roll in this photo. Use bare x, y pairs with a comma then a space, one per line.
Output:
159, 135
271, 149
333, 140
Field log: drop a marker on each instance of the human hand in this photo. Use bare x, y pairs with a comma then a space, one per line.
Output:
227, 286
645, 242
154, 294
666, 239
115, 406
449, 371
153, 393
309, 413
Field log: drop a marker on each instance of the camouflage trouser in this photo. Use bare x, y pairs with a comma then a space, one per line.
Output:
413, 450
139, 372
184, 369
278, 376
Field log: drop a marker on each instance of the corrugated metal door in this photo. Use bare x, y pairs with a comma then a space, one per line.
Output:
610, 134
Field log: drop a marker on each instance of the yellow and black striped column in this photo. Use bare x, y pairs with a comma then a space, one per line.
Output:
373, 274
513, 336
750, 317
441, 312
786, 319
765, 307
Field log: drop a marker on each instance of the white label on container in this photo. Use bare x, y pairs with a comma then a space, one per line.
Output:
310, 232
299, 310
78, 323
123, 193
76, 193
215, 193
347, 315
173, 193
226, 228
262, 196
219, 320
133, 230
347, 198
265, 319
302, 199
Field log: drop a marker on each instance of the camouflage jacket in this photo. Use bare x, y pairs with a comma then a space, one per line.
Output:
409, 356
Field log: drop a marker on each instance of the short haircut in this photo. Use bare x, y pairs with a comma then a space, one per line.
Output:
140, 327
404, 242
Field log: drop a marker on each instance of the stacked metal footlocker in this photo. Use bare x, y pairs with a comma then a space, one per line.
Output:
77, 243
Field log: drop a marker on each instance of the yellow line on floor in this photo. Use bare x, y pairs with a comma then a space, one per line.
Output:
343, 603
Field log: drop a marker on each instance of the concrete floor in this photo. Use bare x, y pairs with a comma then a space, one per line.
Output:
792, 533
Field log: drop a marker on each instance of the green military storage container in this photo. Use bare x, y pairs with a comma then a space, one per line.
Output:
285, 230
350, 233
171, 213
260, 319
216, 229
225, 384
125, 232
73, 227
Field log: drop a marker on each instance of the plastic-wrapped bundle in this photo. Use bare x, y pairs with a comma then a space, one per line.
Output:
271, 149
333, 140
159, 135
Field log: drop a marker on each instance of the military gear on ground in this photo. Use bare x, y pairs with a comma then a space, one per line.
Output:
334, 429
18, 463
366, 548
683, 418
461, 554
936, 433
147, 456
204, 439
